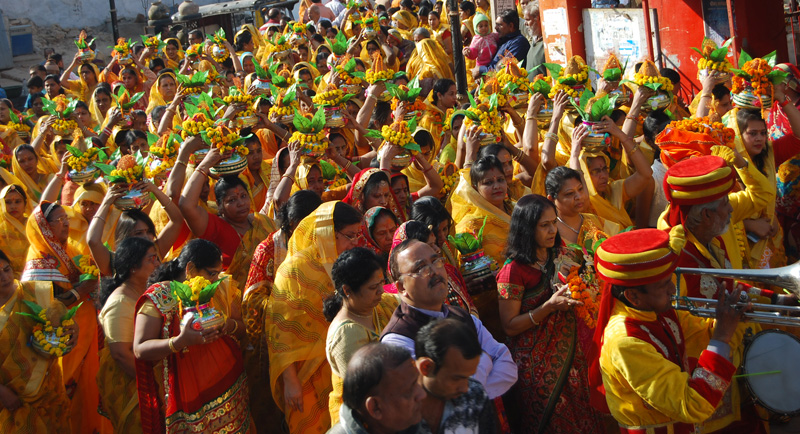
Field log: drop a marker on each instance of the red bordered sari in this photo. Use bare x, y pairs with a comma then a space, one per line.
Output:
553, 385
205, 387
355, 196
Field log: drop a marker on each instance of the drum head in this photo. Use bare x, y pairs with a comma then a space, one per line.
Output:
774, 350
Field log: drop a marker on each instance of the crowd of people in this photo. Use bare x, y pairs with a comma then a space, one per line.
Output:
304, 228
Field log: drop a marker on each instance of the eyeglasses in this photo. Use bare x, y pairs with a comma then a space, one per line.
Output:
427, 269
352, 239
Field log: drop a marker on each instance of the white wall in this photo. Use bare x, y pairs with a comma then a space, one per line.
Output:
77, 13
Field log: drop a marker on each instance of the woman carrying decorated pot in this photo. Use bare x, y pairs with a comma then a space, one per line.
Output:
186, 327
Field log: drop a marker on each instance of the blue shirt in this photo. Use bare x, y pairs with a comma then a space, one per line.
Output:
515, 43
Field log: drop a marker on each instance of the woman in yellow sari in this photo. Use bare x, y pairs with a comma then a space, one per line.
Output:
134, 262
163, 91
429, 60
14, 211
31, 171
440, 102
50, 259
236, 231
481, 201
300, 376
88, 78
358, 311
173, 54
405, 23
256, 174
422, 174
100, 103
31, 391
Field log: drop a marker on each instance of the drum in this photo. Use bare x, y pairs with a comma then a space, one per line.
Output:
773, 350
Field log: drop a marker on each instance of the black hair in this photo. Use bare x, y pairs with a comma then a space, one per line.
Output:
366, 370
435, 338
196, 33
372, 183
424, 11
510, 16
127, 221
521, 244
299, 206
719, 91
743, 117
242, 39
392, 10
492, 150
317, 37
48, 208
467, 6
202, 253
394, 267
345, 215
557, 177
139, 114
653, 125
353, 268
133, 135
16, 188
129, 255
25, 147
81, 104
4, 257
158, 113
56, 57
617, 114
53, 77
618, 292
103, 88
433, 12
416, 230
156, 63
382, 113
35, 81
430, 211
407, 4
671, 74
424, 139
441, 85
37, 68
225, 184
481, 168
173, 42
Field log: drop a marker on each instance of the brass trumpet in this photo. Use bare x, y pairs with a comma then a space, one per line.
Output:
787, 277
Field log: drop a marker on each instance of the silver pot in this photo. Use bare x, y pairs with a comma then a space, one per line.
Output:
205, 317
232, 166
133, 199
261, 86
401, 161
333, 117
51, 339
595, 140
658, 101
83, 176
746, 99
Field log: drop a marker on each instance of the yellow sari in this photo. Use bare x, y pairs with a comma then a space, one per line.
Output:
258, 193
295, 323
240, 264
51, 261
79, 88
156, 99
36, 380
33, 188
429, 60
78, 226
119, 398
13, 240
611, 207
10, 138
173, 64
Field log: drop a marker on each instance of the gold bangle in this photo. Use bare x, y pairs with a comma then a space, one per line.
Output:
235, 327
180, 162
171, 346
75, 294
635, 148
551, 136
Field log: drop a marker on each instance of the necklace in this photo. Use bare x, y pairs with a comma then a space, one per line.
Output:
369, 316
577, 231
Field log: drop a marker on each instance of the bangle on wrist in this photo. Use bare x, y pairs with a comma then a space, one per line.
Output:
530, 315
75, 294
202, 172
180, 162
551, 136
784, 103
172, 345
705, 95
235, 327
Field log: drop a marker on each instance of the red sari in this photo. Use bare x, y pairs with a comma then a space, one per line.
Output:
553, 385
205, 386
355, 196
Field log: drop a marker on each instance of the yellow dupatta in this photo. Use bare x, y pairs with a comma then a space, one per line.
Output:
35, 379
258, 194
416, 179
13, 239
79, 88
295, 323
429, 60
469, 210
173, 64
240, 264
610, 208
156, 99
10, 138
78, 226
32, 188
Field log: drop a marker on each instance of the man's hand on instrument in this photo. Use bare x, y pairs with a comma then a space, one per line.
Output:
728, 315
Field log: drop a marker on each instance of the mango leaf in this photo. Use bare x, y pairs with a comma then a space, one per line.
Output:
318, 121
744, 58
653, 86
208, 292
411, 146
14, 117
238, 142
105, 168
328, 171
770, 58
300, 122
74, 151
698, 50
35, 308
493, 101
541, 86
49, 106
259, 70
719, 54
741, 73
374, 134
612, 74
600, 108
71, 313
412, 124
777, 76
33, 317
472, 102
70, 108
470, 115
86, 276
181, 290
554, 68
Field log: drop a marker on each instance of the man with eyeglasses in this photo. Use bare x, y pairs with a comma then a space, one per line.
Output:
421, 281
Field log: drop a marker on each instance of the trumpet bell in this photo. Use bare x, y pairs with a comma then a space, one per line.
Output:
787, 277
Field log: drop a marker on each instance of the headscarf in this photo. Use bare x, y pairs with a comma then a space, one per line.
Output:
611, 207
80, 89
429, 60
696, 181
355, 196
634, 258
79, 226
169, 63
303, 170
315, 237
13, 239
370, 220
274, 180
34, 190
98, 116
48, 259
156, 99
407, 19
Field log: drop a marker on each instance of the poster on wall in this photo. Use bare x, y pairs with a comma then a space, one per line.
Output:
619, 31
555, 31
715, 18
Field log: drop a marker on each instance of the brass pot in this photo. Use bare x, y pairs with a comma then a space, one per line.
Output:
83, 176
51, 339
595, 140
232, 166
133, 199
205, 317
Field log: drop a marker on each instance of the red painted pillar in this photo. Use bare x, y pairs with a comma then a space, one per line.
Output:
562, 28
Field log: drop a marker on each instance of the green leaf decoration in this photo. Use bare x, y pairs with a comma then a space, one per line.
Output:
33, 317
49, 106
412, 124
411, 146
86, 276
374, 134
328, 171
741, 73
585, 97
698, 50
744, 58
260, 73
300, 122
470, 115
70, 108
105, 168
771, 58
208, 292
14, 117
541, 86
654, 86
71, 313
35, 308
74, 151
472, 102
612, 74
554, 68
318, 121
238, 142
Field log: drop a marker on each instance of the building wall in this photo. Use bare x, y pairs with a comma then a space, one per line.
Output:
78, 13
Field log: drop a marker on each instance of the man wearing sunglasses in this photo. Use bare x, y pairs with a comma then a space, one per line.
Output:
422, 285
